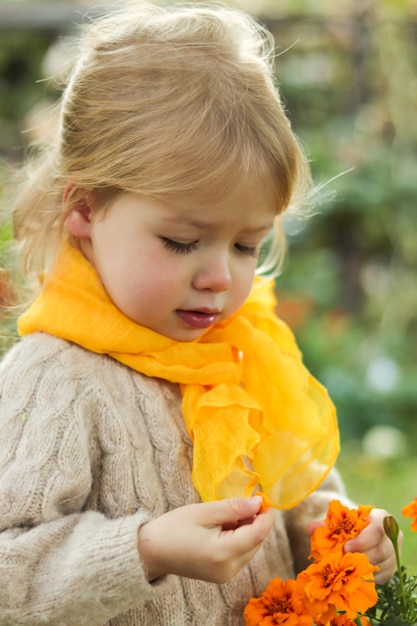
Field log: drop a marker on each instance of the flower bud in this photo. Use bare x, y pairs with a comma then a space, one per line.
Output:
391, 528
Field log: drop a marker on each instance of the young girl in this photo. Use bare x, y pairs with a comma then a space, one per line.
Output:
153, 391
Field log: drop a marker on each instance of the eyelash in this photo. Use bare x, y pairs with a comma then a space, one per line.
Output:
186, 248
179, 248
247, 250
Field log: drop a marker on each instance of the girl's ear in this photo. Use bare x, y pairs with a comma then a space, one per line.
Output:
78, 220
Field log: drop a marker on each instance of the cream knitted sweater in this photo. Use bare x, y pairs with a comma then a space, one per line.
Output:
89, 451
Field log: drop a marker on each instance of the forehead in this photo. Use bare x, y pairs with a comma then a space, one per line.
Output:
254, 224
247, 210
258, 193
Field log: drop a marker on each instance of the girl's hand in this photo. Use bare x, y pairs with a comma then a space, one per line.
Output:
211, 541
376, 545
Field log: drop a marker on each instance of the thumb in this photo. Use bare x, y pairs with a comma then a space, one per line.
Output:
311, 526
233, 510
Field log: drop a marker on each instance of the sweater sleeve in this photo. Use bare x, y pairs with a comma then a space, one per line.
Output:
59, 562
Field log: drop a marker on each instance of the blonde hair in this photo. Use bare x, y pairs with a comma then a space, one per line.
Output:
174, 103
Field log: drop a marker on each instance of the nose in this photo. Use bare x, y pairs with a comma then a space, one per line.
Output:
214, 274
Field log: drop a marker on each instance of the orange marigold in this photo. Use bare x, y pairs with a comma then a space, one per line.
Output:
410, 510
266, 502
341, 620
339, 582
341, 524
280, 603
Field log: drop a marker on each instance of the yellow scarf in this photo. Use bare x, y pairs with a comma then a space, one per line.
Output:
256, 416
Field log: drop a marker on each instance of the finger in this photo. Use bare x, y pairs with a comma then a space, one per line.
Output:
311, 526
386, 570
246, 558
370, 537
381, 554
234, 525
240, 545
248, 537
230, 511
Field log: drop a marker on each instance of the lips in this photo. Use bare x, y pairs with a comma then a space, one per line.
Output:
198, 319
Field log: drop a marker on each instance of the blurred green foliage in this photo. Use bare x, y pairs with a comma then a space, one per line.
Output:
388, 485
21, 55
350, 85
348, 77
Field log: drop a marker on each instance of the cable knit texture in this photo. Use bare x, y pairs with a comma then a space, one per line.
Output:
89, 451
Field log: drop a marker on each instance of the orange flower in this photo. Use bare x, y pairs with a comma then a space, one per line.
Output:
410, 510
341, 524
339, 582
341, 620
266, 502
280, 603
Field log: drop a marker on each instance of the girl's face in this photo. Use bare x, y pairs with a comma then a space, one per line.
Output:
176, 271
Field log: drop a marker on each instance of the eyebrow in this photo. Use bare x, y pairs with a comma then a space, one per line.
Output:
190, 221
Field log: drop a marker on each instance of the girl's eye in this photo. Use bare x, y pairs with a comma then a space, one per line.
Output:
178, 247
248, 250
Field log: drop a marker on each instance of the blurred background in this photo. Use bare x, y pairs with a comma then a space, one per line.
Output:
347, 71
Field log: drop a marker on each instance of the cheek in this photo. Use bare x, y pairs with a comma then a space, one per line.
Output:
242, 283
155, 278
246, 286
153, 285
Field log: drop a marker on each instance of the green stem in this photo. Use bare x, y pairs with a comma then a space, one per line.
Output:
400, 575
392, 531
